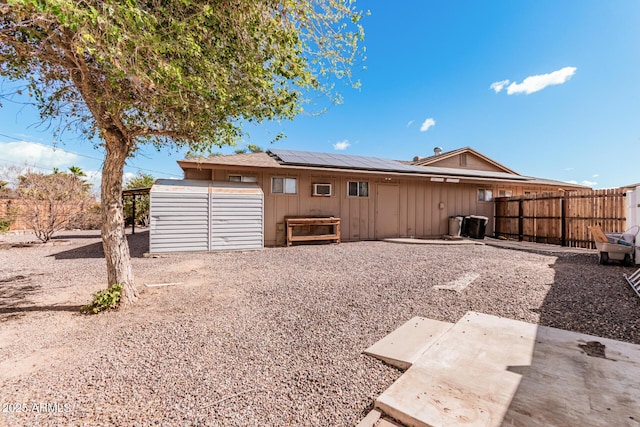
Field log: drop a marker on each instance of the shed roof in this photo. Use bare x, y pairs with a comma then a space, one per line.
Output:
199, 186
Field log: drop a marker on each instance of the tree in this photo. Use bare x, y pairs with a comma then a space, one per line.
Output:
77, 171
183, 72
142, 180
48, 202
254, 148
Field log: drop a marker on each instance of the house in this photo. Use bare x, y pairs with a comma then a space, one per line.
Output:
375, 198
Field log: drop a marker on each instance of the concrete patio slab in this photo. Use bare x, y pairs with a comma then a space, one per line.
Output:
491, 371
402, 347
371, 420
433, 241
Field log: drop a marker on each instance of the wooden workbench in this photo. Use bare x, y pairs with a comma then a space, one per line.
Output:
311, 222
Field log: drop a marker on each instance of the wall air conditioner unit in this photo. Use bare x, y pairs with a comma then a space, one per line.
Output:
322, 190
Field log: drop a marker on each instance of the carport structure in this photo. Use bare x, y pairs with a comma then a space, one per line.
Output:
134, 193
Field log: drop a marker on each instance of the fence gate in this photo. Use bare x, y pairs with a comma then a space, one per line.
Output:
560, 218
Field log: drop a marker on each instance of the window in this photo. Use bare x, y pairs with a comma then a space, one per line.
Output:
242, 178
463, 159
358, 188
485, 195
322, 190
284, 185
505, 193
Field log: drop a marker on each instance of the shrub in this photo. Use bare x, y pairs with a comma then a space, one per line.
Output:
88, 219
104, 300
5, 224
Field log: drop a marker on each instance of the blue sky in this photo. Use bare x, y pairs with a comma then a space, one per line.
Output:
570, 110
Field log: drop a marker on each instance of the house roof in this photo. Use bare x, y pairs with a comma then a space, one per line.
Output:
426, 161
261, 160
631, 186
342, 161
293, 159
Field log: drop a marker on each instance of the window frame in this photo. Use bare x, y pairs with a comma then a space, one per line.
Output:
358, 188
284, 185
484, 192
314, 192
243, 178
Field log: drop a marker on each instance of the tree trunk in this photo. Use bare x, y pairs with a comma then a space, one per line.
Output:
114, 240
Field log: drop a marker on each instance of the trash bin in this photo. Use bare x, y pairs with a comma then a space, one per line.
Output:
477, 226
455, 225
464, 229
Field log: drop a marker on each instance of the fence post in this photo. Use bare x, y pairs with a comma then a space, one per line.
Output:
563, 225
520, 220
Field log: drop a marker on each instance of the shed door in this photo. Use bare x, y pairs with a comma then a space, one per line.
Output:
236, 221
387, 211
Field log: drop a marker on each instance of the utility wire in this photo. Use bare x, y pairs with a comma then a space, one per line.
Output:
77, 154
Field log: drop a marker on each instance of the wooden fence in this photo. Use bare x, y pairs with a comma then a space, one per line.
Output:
560, 218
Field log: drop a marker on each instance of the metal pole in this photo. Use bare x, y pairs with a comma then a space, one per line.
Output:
133, 221
520, 220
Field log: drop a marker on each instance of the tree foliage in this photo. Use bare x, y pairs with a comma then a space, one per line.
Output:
183, 72
142, 180
49, 202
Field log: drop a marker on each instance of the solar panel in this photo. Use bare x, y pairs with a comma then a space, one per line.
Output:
347, 161
342, 161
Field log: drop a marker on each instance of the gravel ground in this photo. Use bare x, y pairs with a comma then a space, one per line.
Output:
271, 337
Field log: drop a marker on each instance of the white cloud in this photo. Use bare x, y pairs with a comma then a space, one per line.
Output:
583, 182
342, 145
410, 123
40, 156
498, 86
127, 176
595, 175
427, 124
538, 82
569, 169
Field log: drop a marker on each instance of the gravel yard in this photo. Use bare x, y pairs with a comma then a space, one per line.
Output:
271, 337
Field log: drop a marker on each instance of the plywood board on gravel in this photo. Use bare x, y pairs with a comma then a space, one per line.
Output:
491, 371
402, 347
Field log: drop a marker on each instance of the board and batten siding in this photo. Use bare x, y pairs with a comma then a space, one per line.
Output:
191, 215
423, 206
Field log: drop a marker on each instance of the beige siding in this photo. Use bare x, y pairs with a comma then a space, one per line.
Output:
423, 206
472, 162
203, 174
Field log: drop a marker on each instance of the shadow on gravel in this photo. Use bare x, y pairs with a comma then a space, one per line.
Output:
138, 246
587, 298
16, 290
29, 308
77, 236
592, 299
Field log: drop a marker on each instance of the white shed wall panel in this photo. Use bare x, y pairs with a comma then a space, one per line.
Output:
236, 221
205, 216
179, 222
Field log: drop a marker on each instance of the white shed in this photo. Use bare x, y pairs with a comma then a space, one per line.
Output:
192, 215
